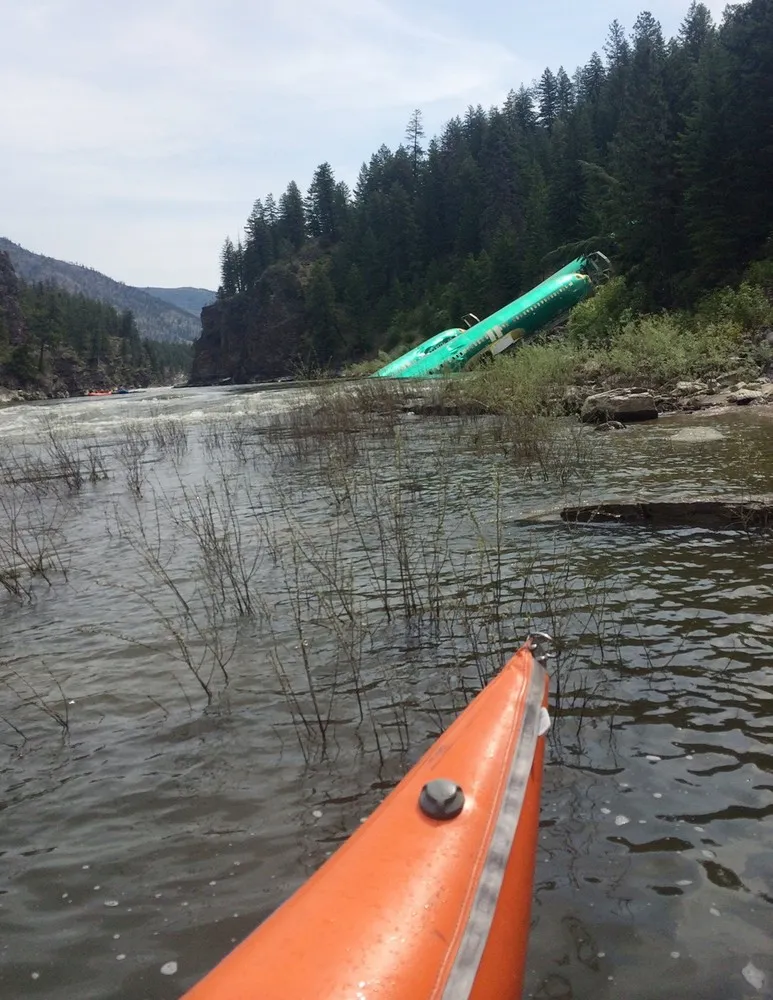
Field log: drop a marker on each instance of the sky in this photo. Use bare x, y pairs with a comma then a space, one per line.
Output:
134, 137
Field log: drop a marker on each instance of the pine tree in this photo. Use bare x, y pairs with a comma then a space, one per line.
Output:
519, 109
711, 193
571, 146
547, 99
414, 133
291, 224
260, 245
536, 225
564, 94
747, 39
324, 333
696, 30
229, 270
325, 206
506, 267
644, 165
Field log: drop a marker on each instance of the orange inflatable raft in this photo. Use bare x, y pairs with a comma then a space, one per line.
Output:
431, 896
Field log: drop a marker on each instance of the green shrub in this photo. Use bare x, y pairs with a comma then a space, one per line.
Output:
530, 379
598, 319
657, 350
361, 369
760, 273
746, 306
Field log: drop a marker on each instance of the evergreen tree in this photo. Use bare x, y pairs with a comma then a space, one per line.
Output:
536, 225
661, 150
710, 197
324, 334
260, 249
747, 40
644, 165
291, 225
547, 98
325, 206
414, 133
519, 109
564, 94
229, 270
696, 31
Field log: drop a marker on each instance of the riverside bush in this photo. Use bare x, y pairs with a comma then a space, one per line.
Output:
656, 350
528, 380
598, 319
746, 306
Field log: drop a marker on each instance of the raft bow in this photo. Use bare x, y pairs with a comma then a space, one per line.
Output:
430, 899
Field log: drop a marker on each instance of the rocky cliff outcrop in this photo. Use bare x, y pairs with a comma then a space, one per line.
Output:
255, 336
11, 320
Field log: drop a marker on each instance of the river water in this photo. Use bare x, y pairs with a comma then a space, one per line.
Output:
243, 635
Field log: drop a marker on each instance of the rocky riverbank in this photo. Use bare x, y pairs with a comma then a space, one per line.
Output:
630, 404
8, 396
610, 408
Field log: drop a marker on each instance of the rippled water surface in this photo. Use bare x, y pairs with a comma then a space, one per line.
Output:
186, 733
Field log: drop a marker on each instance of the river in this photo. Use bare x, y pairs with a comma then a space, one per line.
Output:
242, 636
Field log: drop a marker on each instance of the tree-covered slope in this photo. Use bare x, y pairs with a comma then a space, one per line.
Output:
58, 343
156, 319
658, 151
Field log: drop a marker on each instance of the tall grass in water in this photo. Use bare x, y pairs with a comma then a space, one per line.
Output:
52, 703
362, 555
416, 555
33, 508
194, 628
64, 452
369, 549
131, 450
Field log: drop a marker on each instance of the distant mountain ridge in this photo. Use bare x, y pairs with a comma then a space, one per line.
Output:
157, 318
192, 300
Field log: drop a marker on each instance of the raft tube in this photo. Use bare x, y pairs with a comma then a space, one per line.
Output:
431, 896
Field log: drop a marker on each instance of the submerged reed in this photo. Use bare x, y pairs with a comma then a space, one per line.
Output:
356, 555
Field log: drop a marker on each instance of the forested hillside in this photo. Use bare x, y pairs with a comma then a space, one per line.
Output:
156, 318
56, 343
659, 152
191, 300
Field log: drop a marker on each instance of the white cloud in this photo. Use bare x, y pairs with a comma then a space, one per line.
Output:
168, 103
138, 134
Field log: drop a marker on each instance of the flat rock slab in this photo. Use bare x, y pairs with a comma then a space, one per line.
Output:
752, 514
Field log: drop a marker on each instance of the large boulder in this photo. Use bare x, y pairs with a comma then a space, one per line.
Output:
625, 405
744, 396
